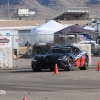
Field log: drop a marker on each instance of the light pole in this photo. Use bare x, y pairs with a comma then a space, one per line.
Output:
8, 9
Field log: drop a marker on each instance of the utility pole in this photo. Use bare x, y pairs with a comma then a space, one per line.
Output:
8, 9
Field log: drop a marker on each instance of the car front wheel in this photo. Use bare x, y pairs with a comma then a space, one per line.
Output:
51, 69
36, 70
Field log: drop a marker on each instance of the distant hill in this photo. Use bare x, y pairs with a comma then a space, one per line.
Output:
48, 8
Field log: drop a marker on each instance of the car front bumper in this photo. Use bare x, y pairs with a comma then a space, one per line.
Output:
48, 65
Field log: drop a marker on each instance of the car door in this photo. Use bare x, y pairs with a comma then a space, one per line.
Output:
77, 56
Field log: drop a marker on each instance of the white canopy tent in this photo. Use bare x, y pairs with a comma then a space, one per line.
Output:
45, 32
48, 28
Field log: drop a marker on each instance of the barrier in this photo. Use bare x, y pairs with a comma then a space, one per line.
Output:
24, 99
98, 69
56, 70
6, 57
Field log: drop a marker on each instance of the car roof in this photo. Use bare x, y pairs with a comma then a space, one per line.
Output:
65, 46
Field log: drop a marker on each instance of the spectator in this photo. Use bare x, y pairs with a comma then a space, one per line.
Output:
27, 44
98, 39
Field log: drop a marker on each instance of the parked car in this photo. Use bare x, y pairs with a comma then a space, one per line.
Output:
66, 57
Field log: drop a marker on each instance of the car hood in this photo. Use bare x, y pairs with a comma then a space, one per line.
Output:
49, 57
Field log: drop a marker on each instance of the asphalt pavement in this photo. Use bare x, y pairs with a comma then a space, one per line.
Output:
21, 82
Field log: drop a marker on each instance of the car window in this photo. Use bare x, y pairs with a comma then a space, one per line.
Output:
68, 49
56, 50
76, 50
50, 51
63, 50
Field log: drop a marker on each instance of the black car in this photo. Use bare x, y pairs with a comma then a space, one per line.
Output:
66, 57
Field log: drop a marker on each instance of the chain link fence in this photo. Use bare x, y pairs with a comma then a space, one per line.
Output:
30, 45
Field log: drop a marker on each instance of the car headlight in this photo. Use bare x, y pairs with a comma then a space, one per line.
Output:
62, 58
34, 59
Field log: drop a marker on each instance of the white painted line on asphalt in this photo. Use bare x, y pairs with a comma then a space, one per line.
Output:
2, 92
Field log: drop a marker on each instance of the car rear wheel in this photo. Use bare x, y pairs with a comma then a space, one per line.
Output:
85, 67
69, 67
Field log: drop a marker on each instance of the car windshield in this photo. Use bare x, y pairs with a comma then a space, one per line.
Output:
61, 50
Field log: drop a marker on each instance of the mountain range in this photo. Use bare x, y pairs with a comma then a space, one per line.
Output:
48, 8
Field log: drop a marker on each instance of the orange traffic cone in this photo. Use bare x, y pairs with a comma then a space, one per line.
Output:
56, 70
24, 99
98, 66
